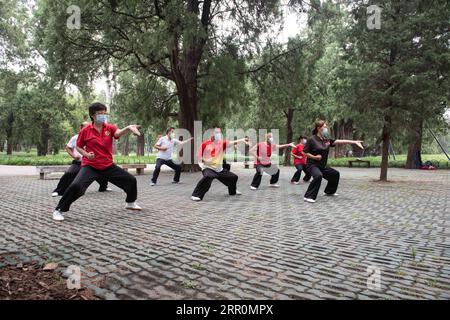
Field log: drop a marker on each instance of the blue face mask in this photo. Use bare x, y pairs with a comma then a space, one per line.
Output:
325, 133
101, 118
217, 136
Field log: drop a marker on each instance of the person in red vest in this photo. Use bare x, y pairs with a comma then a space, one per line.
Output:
212, 153
262, 153
300, 161
95, 143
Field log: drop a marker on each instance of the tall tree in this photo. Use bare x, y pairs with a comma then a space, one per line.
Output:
168, 39
387, 63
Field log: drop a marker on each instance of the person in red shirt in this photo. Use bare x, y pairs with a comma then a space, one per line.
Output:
300, 161
95, 143
262, 153
212, 153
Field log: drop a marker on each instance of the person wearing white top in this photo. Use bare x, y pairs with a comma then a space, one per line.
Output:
75, 167
165, 146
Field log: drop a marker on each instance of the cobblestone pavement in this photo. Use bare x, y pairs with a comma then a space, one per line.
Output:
265, 244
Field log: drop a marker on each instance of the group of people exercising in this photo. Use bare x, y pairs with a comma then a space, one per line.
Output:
92, 153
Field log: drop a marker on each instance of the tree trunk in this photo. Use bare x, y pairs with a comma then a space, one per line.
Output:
385, 151
9, 133
42, 145
2, 145
414, 158
289, 137
140, 150
126, 146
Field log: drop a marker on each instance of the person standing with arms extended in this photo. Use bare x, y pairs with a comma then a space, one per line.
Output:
211, 153
262, 153
74, 168
95, 144
316, 149
300, 161
165, 146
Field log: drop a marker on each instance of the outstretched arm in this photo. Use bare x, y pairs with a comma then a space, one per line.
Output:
355, 142
133, 128
234, 142
282, 146
185, 141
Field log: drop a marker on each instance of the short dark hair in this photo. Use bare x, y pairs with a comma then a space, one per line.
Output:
302, 137
97, 106
169, 129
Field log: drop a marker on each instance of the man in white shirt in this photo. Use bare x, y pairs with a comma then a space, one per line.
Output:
165, 146
73, 170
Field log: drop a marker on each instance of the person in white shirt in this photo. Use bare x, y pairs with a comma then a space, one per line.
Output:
165, 146
75, 167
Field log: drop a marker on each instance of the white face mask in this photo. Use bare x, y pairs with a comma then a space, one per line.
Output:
172, 135
217, 136
270, 140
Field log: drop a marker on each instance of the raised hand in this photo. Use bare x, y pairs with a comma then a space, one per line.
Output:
135, 129
359, 143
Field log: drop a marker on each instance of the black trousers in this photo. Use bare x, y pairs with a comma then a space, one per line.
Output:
260, 169
318, 173
169, 163
298, 173
87, 175
226, 177
70, 175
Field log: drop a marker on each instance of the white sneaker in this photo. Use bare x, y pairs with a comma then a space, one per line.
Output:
152, 184
109, 189
274, 185
176, 182
295, 182
55, 194
58, 216
330, 195
195, 198
133, 206
238, 193
309, 200
253, 188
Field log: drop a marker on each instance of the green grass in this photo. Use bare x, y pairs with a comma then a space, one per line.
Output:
30, 159
438, 160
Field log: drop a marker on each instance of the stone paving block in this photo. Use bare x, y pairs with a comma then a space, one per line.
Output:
254, 246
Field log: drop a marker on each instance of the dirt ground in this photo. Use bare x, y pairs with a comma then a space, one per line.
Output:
31, 282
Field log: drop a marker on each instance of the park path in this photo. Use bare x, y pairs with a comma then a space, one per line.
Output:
266, 244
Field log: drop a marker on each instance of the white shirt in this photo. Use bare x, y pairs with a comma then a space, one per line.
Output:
165, 142
72, 144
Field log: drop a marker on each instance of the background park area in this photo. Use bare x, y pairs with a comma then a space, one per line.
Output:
376, 71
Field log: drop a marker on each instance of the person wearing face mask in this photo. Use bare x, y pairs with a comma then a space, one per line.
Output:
316, 149
75, 167
165, 146
95, 143
300, 161
211, 153
262, 153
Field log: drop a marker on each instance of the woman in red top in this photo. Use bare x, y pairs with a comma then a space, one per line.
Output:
262, 153
300, 161
95, 143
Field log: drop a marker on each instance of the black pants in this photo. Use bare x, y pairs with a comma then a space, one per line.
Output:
298, 173
70, 175
226, 177
260, 169
318, 173
169, 163
87, 175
